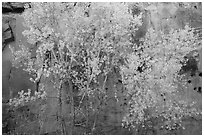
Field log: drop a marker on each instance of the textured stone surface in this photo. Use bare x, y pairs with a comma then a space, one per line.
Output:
8, 27
165, 16
13, 79
15, 7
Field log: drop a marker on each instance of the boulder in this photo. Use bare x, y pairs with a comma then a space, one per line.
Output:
8, 27
14, 7
6, 7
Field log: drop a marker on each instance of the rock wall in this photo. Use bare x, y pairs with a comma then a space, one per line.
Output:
13, 7
164, 16
109, 120
13, 79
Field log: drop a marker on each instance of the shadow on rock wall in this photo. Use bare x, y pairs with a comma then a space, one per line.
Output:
13, 79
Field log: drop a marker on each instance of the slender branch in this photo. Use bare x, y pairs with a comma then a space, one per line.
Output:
54, 55
60, 108
72, 98
72, 105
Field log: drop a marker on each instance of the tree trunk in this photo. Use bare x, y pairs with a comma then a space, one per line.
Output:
72, 106
62, 122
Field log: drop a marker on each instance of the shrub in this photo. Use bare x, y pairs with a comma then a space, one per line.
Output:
153, 92
76, 42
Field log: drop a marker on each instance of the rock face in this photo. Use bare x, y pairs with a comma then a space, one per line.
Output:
8, 27
13, 79
165, 16
109, 120
15, 7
